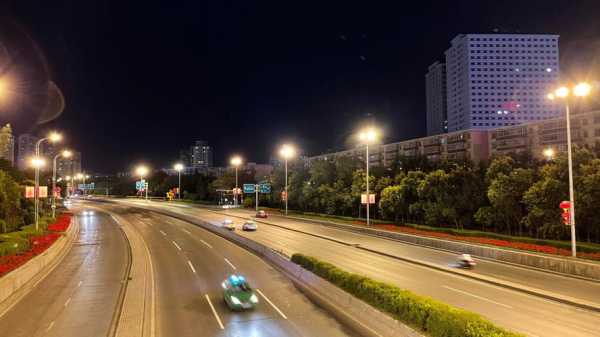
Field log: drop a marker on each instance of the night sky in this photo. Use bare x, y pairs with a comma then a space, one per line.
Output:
143, 79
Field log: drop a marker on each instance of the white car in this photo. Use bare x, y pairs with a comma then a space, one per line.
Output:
249, 226
228, 224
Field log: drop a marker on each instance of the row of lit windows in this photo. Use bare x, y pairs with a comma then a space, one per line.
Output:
548, 70
509, 81
510, 45
529, 51
520, 112
513, 63
512, 75
507, 88
513, 39
508, 118
531, 106
497, 57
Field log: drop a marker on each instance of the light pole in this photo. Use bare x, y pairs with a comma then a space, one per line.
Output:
580, 90
64, 154
142, 171
67, 178
287, 151
368, 136
236, 161
179, 167
79, 176
53, 137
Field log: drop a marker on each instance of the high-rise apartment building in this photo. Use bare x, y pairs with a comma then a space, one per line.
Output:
69, 166
26, 149
7, 144
201, 155
496, 80
435, 87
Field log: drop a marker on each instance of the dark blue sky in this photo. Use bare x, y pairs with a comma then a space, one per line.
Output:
142, 79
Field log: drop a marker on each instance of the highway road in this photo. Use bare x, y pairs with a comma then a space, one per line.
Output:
189, 265
514, 310
80, 296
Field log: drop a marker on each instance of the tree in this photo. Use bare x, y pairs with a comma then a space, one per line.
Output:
588, 195
391, 203
10, 203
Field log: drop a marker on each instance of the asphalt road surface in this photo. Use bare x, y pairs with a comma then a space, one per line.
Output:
80, 296
514, 310
189, 265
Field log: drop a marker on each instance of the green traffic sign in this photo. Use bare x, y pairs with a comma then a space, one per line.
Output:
249, 188
265, 188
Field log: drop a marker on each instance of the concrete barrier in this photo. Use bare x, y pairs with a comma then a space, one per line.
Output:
557, 264
19, 282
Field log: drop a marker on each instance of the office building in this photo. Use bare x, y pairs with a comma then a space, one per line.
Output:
68, 166
201, 155
26, 149
435, 88
497, 80
7, 144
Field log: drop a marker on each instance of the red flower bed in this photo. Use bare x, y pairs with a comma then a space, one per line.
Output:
38, 245
486, 241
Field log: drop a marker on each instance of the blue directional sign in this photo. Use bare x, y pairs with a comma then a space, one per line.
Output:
265, 188
140, 185
249, 188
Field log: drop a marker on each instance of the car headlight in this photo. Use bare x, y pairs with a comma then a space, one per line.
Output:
235, 300
253, 299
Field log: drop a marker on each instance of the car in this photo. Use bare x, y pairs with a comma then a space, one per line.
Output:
238, 294
88, 213
228, 224
249, 226
261, 214
67, 202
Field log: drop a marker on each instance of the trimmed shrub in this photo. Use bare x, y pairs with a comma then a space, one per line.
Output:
434, 318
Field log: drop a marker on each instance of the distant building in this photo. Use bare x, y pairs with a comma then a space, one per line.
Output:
497, 80
26, 149
7, 144
184, 158
436, 105
69, 166
201, 155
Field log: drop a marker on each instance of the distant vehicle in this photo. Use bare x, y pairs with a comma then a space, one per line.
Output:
67, 202
238, 294
228, 224
88, 213
466, 261
261, 214
249, 226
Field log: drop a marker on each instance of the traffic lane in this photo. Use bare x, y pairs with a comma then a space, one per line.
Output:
282, 310
81, 293
553, 283
513, 310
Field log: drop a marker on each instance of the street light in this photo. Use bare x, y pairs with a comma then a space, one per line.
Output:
368, 136
179, 167
287, 151
549, 153
236, 161
142, 171
580, 90
64, 154
53, 137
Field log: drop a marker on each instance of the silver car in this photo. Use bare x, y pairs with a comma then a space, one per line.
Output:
249, 226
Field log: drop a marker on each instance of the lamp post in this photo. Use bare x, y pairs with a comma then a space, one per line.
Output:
236, 161
580, 90
64, 154
287, 151
368, 136
142, 171
68, 178
79, 176
53, 137
179, 167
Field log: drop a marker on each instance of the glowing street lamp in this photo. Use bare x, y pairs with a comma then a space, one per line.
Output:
236, 161
287, 152
580, 90
142, 171
368, 136
53, 137
64, 154
179, 167
549, 153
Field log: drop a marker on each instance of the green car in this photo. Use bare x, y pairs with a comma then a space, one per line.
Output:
237, 293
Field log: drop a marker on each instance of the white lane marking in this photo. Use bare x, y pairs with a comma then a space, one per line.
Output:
214, 312
68, 301
271, 303
79, 284
163, 233
176, 245
192, 266
206, 243
186, 231
478, 297
50, 326
229, 263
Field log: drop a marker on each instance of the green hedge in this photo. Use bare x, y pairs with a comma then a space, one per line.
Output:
431, 317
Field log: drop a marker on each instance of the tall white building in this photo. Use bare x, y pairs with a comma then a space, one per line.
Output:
496, 80
435, 88
201, 155
7, 144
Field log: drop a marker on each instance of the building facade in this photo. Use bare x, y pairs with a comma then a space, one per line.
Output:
497, 80
201, 155
69, 166
7, 144
436, 105
26, 149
